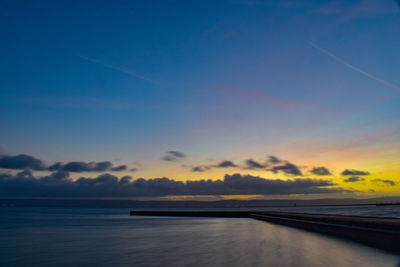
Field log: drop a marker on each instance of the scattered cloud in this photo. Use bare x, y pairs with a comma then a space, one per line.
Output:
226, 164
354, 179
119, 168
21, 162
56, 166
177, 154
274, 160
81, 166
222, 164
168, 158
173, 156
198, 169
349, 172
383, 182
288, 168
321, 171
59, 184
252, 164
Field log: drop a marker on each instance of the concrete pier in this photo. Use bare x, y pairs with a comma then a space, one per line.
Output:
381, 233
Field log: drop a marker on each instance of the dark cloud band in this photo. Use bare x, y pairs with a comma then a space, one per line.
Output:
58, 184
22, 162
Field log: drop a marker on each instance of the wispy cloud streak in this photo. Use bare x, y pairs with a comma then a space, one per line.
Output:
347, 64
122, 70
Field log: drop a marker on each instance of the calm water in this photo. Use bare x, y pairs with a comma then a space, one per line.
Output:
110, 237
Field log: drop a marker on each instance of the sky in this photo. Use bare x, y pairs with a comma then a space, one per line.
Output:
245, 98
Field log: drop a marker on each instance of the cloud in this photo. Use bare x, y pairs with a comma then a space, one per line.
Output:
21, 162
59, 184
321, 171
226, 164
287, 168
56, 166
173, 156
349, 172
169, 158
252, 164
354, 179
119, 168
274, 160
222, 164
203, 168
383, 182
81, 166
177, 154
59, 175
198, 169
133, 169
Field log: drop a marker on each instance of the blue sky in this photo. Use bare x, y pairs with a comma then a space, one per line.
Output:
126, 81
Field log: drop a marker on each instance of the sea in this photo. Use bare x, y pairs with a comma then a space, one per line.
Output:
81, 236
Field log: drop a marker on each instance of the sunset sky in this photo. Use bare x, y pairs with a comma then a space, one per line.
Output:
306, 93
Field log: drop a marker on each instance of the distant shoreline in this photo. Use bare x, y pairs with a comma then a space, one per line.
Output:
131, 203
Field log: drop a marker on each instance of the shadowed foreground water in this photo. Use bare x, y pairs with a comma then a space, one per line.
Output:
110, 237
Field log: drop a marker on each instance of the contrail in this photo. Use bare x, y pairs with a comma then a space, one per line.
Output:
347, 64
129, 72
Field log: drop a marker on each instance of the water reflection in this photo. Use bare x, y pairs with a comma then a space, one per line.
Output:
115, 239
